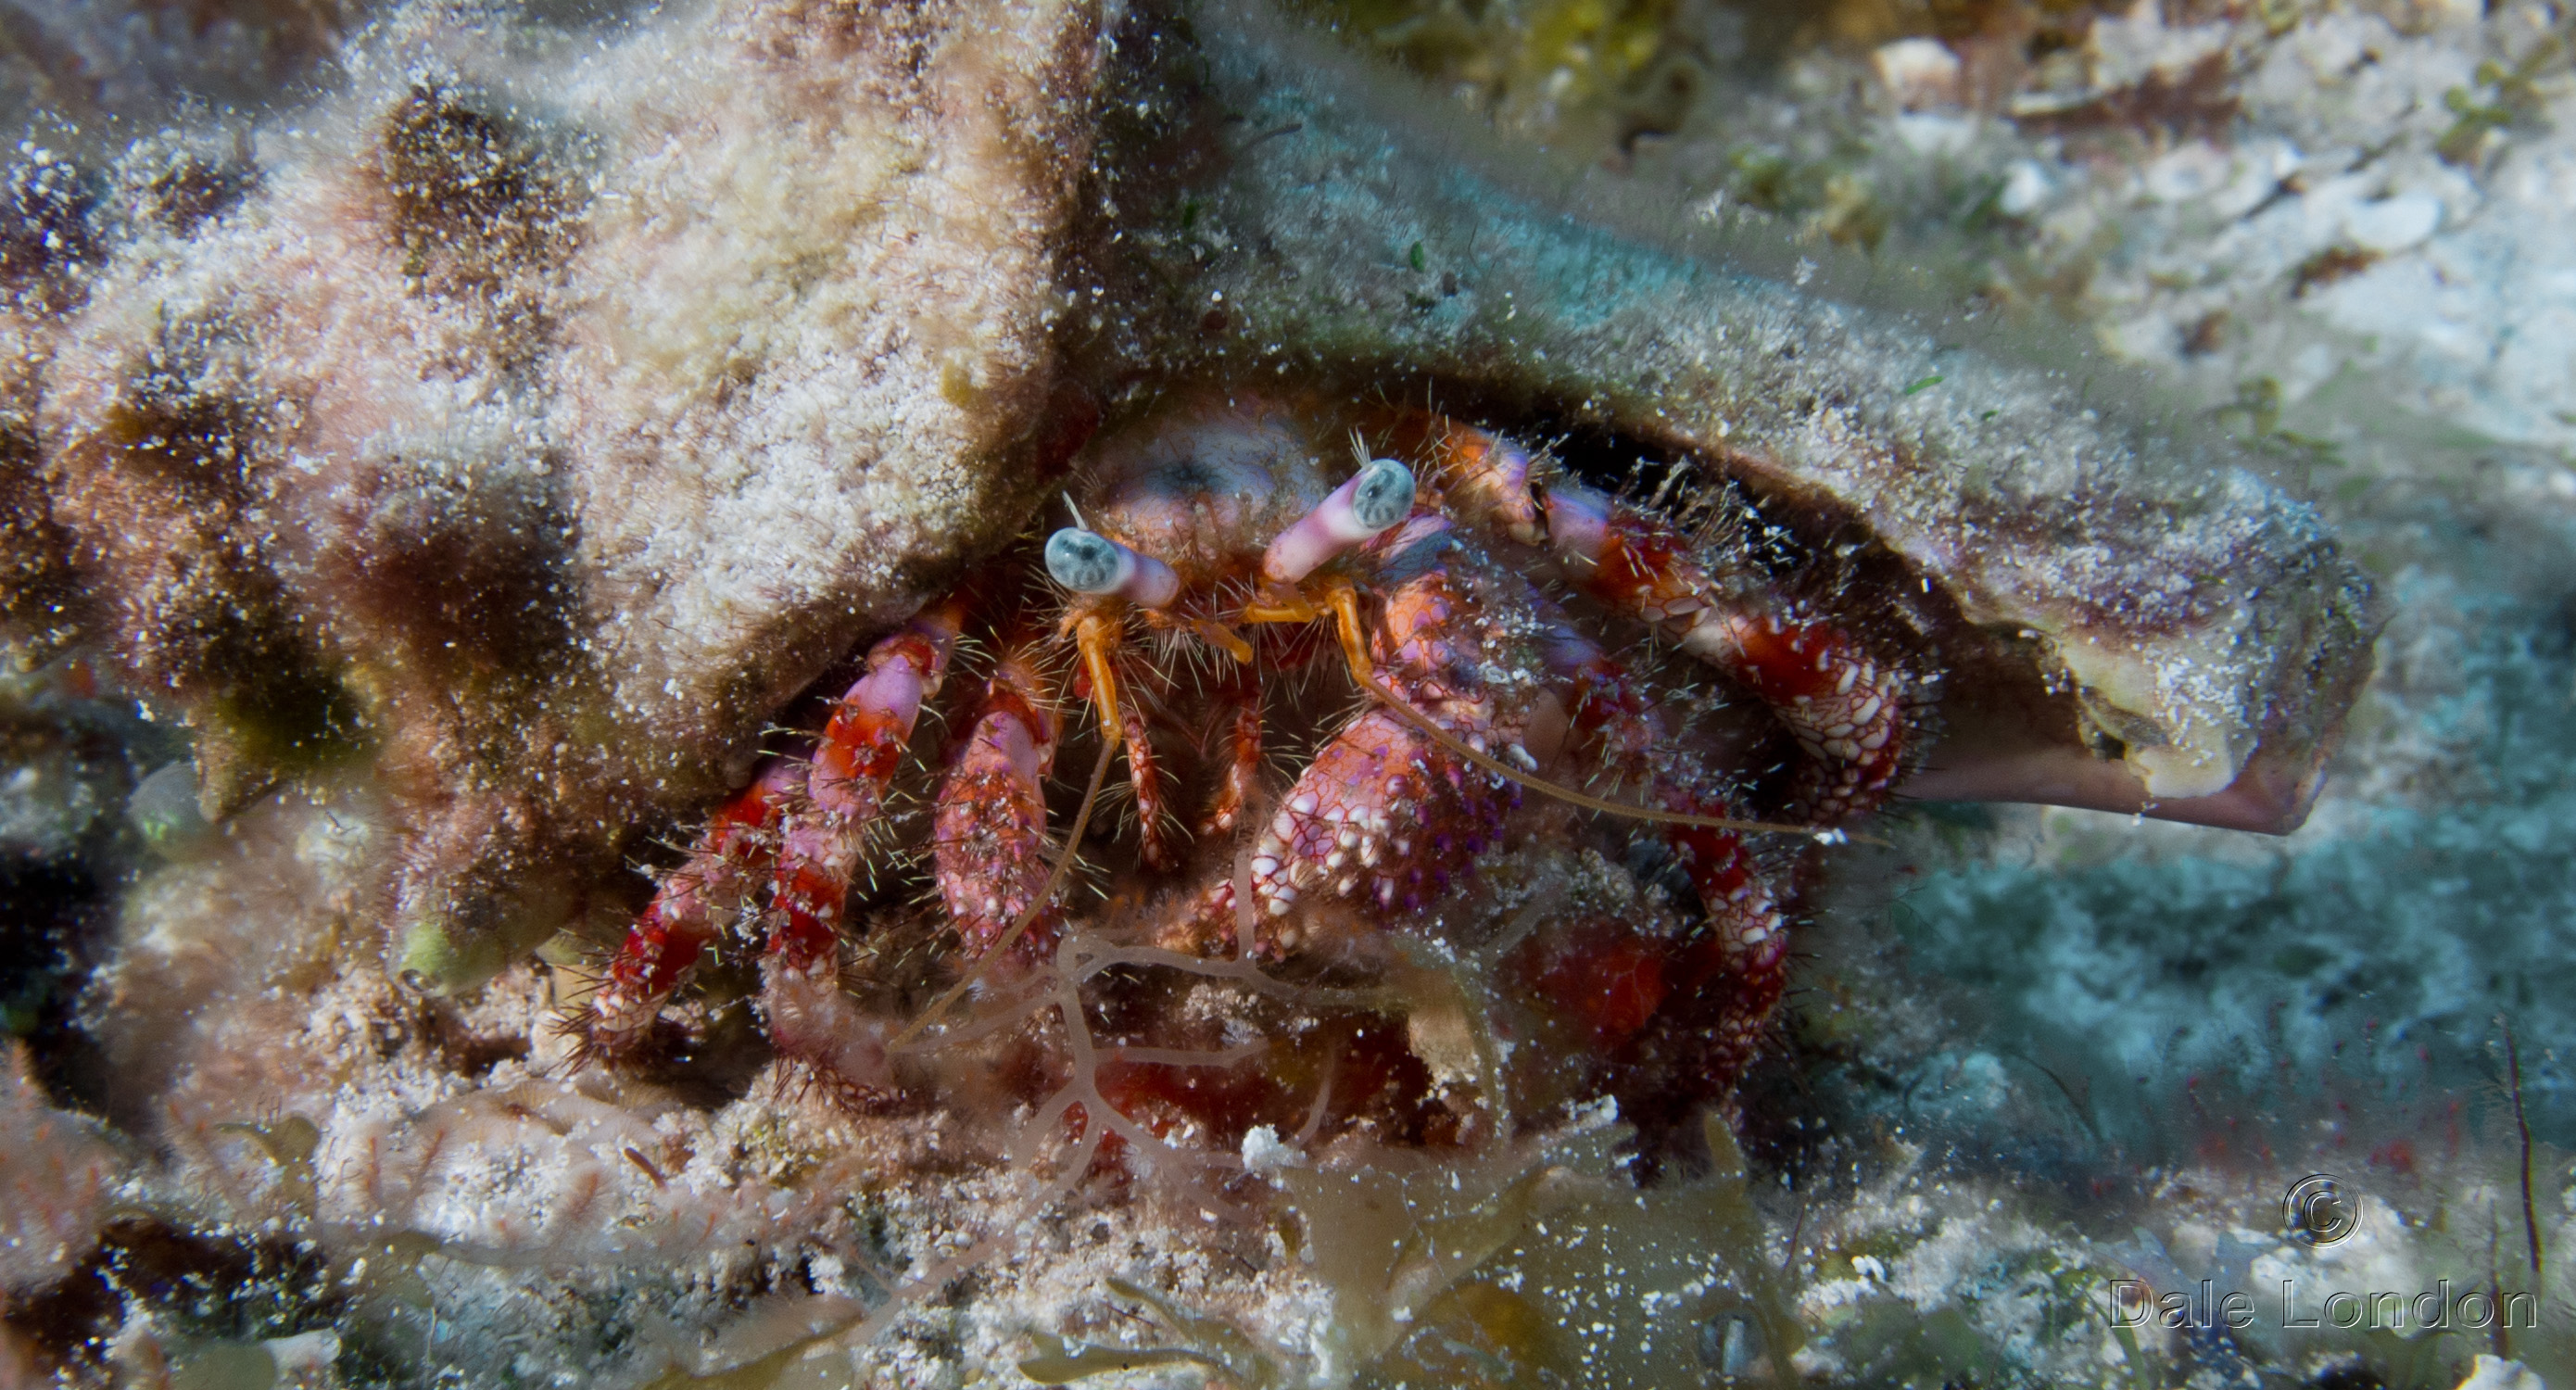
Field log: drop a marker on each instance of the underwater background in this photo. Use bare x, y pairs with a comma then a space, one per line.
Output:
2033, 1057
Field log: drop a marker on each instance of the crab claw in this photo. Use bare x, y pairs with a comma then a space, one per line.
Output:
1384, 818
1386, 815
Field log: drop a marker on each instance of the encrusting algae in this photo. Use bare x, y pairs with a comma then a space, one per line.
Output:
481, 458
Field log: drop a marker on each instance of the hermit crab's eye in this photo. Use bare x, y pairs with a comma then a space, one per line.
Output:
1086, 561
1090, 563
1384, 495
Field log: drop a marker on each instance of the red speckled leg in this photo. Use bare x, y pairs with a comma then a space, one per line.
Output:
685, 916
1242, 778
1846, 708
819, 841
1744, 956
820, 836
989, 851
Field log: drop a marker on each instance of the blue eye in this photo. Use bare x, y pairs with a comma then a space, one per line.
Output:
1085, 561
1384, 496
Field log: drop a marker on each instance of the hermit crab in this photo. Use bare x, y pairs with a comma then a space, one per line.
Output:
1481, 646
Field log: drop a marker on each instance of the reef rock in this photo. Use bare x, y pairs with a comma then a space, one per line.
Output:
55, 1172
540, 416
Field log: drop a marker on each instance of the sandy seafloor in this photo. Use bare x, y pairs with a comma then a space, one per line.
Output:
2048, 1039
2422, 403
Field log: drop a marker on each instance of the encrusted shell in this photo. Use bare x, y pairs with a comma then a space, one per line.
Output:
2147, 592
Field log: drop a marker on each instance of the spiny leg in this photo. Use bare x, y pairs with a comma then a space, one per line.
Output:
1028, 916
852, 767
1736, 971
989, 830
1744, 957
1847, 709
1240, 783
685, 916
820, 839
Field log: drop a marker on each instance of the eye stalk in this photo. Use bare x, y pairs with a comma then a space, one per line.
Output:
1375, 498
1088, 562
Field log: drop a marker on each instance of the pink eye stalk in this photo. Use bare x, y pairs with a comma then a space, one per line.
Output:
1090, 563
1375, 498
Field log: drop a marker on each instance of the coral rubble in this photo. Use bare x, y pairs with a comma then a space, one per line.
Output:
56, 1175
539, 436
